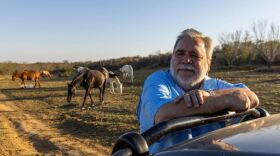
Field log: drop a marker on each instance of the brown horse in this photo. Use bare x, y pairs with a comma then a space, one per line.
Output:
89, 79
27, 75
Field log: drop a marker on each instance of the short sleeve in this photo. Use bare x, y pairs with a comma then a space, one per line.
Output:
155, 94
226, 85
216, 84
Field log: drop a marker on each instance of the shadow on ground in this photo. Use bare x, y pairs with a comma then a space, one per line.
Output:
85, 124
275, 81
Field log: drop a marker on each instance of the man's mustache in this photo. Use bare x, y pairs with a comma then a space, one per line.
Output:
185, 67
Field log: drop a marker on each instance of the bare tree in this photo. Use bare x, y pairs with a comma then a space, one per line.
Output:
247, 48
230, 45
267, 41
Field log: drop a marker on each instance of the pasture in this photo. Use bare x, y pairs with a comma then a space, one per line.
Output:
99, 127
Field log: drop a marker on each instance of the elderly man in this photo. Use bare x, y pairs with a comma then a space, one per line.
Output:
186, 90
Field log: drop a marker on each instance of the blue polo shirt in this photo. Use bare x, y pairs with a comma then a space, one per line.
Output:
159, 89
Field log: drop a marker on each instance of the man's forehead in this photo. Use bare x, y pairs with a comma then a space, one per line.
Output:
197, 42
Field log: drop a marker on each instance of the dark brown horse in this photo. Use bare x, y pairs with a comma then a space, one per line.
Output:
89, 79
27, 75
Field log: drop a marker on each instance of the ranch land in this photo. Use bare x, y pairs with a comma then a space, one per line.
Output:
40, 121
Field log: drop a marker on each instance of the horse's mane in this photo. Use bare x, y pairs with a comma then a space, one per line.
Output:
78, 78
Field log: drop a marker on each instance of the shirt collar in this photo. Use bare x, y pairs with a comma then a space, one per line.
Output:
181, 89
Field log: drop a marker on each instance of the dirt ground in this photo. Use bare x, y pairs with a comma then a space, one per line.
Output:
23, 134
41, 122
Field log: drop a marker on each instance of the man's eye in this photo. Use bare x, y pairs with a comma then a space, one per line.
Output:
180, 53
194, 55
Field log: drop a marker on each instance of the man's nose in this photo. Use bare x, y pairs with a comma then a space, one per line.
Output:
187, 59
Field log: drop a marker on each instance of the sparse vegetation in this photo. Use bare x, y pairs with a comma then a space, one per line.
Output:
102, 125
239, 59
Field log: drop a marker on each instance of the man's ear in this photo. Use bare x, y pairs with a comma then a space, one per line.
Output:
209, 66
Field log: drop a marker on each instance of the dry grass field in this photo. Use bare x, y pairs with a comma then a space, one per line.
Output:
43, 119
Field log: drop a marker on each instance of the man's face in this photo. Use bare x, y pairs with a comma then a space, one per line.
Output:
189, 63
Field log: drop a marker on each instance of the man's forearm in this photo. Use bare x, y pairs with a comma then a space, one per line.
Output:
230, 99
238, 99
172, 110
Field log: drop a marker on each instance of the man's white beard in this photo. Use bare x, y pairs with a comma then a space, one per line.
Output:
187, 83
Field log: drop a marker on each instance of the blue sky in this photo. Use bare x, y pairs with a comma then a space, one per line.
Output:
91, 30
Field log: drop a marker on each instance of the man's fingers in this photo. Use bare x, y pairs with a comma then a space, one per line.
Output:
194, 99
178, 99
187, 99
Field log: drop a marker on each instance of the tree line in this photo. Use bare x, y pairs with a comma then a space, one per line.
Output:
257, 46
260, 45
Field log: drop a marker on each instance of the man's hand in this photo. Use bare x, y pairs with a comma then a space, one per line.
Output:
239, 101
193, 98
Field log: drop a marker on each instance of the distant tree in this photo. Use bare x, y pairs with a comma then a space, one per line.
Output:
65, 61
247, 51
267, 41
230, 47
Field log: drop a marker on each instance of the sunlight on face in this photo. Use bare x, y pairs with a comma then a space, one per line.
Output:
188, 65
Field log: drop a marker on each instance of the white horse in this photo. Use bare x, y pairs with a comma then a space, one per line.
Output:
46, 73
127, 71
81, 69
113, 79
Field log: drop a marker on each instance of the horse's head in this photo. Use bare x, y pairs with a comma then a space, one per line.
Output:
15, 75
71, 92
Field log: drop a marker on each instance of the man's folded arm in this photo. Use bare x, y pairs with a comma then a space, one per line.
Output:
234, 99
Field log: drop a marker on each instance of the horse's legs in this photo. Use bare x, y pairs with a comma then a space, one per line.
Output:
85, 97
91, 99
100, 94
131, 76
103, 92
35, 84
112, 87
120, 88
39, 83
23, 83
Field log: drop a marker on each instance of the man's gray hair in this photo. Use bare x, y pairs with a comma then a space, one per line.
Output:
193, 34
